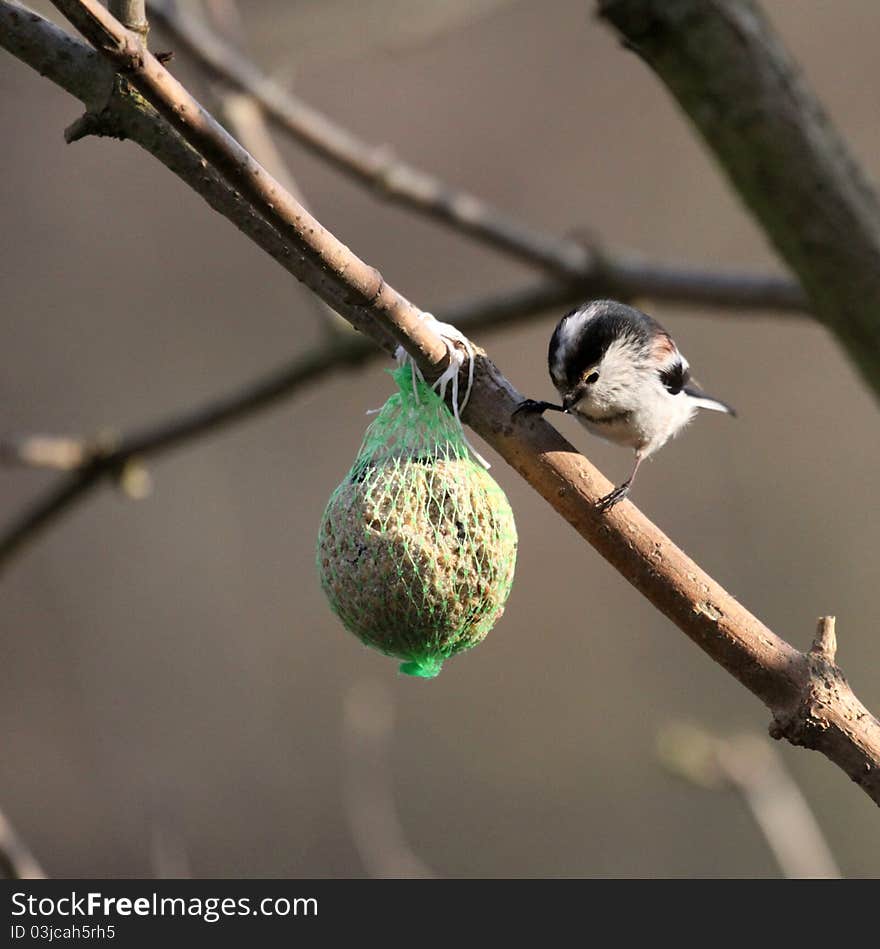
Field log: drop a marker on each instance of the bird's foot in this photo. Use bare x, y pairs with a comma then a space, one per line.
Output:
536, 407
614, 497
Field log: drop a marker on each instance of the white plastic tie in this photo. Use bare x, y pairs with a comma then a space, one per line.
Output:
450, 336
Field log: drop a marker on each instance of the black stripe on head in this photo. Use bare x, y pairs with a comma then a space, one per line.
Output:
602, 323
675, 376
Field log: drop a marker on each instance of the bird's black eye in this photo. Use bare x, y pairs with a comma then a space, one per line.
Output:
591, 378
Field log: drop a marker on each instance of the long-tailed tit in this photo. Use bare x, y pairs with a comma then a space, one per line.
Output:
620, 374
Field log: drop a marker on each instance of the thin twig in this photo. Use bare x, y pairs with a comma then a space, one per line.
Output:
105, 459
756, 771
16, 860
57, 453
632, 280
811, 703
131, 14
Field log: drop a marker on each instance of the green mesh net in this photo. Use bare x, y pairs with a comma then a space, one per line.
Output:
417, 546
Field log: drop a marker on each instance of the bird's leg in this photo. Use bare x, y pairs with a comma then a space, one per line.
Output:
534, 407
619, 493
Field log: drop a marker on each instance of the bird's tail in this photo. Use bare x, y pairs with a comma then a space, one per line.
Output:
705, 401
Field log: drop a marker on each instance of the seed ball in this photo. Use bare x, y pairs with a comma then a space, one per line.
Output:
416, 557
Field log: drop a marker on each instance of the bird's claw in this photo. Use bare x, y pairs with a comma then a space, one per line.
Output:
533, 407
614, 497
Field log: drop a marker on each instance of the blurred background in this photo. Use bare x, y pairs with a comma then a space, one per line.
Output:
176, 695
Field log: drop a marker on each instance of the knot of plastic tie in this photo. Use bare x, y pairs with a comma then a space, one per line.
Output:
450, 336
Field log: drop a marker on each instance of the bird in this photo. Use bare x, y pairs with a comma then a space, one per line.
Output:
621, 375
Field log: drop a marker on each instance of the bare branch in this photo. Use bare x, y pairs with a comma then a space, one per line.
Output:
755, 770
630, 278
58, 453
778, 807
105, 458
114, 111
375, 166
811, 707
131, 14
97, 459
618, 275
729, 71
102, 459
345, 282
245, 119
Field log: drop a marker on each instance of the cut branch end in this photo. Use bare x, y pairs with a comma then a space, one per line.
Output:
87, 124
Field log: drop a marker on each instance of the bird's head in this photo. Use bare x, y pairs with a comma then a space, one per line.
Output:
598, 354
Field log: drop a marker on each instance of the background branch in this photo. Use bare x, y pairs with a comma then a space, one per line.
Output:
729, 72
585, 271
96, 461
375, 166
104, 458
115, 111
811, 703
630, 279
118, 111
348, 284
131, 14
755, 770
16, 861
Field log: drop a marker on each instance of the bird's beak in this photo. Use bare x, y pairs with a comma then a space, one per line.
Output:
571, 399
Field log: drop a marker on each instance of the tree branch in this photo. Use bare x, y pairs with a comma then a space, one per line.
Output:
756, 771
96, 461
618, 275
104, 458
810, 701
16, 861
57, 453
114, 109
348, 284
730, 73
630, 278
131, 14
375, 166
